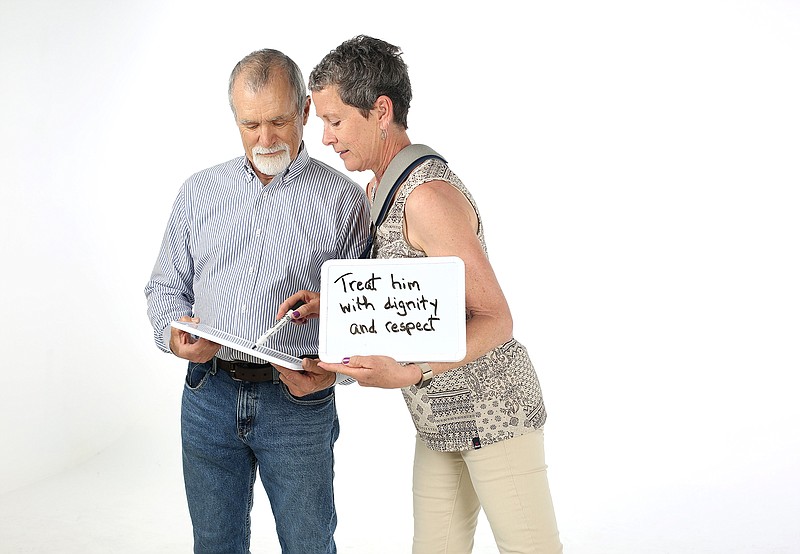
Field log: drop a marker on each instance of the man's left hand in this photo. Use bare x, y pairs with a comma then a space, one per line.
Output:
312, 378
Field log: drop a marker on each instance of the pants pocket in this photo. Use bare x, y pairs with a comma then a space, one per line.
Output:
197, 375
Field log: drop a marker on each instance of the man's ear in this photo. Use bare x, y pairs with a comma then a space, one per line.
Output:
306, 110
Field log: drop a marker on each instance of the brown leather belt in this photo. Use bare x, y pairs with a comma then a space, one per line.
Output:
248, 371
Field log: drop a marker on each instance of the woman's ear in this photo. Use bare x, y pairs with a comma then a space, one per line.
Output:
384, 110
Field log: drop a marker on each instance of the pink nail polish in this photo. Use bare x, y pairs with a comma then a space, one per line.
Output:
345, 361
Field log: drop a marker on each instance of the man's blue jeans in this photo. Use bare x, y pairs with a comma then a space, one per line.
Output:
231, 428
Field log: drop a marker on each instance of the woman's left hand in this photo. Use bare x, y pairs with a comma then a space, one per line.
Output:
376, 371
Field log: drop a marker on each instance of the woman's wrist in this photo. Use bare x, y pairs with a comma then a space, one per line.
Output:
426, 374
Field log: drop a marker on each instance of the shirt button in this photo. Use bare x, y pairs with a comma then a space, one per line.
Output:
258, 232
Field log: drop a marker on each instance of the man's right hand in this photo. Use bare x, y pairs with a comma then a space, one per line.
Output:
184, 345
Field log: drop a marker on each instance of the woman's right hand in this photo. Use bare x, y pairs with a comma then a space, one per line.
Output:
308, 310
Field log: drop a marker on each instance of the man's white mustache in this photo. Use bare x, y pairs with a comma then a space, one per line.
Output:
270, 150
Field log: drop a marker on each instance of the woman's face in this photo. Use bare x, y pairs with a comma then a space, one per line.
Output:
355, 138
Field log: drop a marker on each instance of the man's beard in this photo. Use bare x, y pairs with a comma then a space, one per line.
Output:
271, 165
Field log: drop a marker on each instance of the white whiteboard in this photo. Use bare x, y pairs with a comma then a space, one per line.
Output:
411, 309
238, 343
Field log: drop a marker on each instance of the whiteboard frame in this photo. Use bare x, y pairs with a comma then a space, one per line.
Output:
449, 348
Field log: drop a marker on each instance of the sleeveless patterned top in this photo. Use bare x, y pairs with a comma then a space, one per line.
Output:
493, 398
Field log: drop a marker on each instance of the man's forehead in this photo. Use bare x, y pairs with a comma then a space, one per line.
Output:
264, 107
264, 116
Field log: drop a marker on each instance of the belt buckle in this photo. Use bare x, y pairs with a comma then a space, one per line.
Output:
230, 372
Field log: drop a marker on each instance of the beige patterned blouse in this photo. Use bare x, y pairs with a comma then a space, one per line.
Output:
493, 398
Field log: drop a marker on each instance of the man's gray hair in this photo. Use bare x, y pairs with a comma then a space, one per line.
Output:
257, 69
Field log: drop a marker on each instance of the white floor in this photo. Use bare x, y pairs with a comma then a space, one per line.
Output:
129, 498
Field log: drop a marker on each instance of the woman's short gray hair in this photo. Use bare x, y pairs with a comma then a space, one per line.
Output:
257, 69
364, 68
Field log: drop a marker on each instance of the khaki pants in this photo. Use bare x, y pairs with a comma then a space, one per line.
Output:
508, 479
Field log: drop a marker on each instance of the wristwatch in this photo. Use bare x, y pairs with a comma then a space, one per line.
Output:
427, 375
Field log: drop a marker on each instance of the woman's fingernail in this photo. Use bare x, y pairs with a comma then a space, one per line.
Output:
295, 315
345, 361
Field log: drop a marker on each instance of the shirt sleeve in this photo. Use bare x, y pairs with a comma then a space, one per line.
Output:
169, 291
353, 223
354, 234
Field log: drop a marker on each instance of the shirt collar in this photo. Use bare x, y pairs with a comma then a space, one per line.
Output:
295, 168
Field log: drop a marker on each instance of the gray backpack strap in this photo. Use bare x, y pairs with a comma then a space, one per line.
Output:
401, 165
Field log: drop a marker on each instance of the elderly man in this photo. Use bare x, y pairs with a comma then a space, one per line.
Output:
233, 249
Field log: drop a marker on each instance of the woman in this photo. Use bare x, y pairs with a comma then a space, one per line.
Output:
479, 418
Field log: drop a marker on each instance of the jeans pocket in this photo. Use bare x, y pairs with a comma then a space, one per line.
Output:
197, 375
313, 399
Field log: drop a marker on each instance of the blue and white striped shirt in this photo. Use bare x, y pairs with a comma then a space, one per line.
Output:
234, 249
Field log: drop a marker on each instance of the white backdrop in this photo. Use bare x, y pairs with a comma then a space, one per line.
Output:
636, 164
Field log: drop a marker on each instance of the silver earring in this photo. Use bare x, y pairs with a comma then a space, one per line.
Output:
383, 134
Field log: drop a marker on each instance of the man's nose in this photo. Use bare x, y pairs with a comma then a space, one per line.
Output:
266, 136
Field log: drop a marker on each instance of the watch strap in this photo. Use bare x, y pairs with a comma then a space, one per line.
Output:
427, 374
